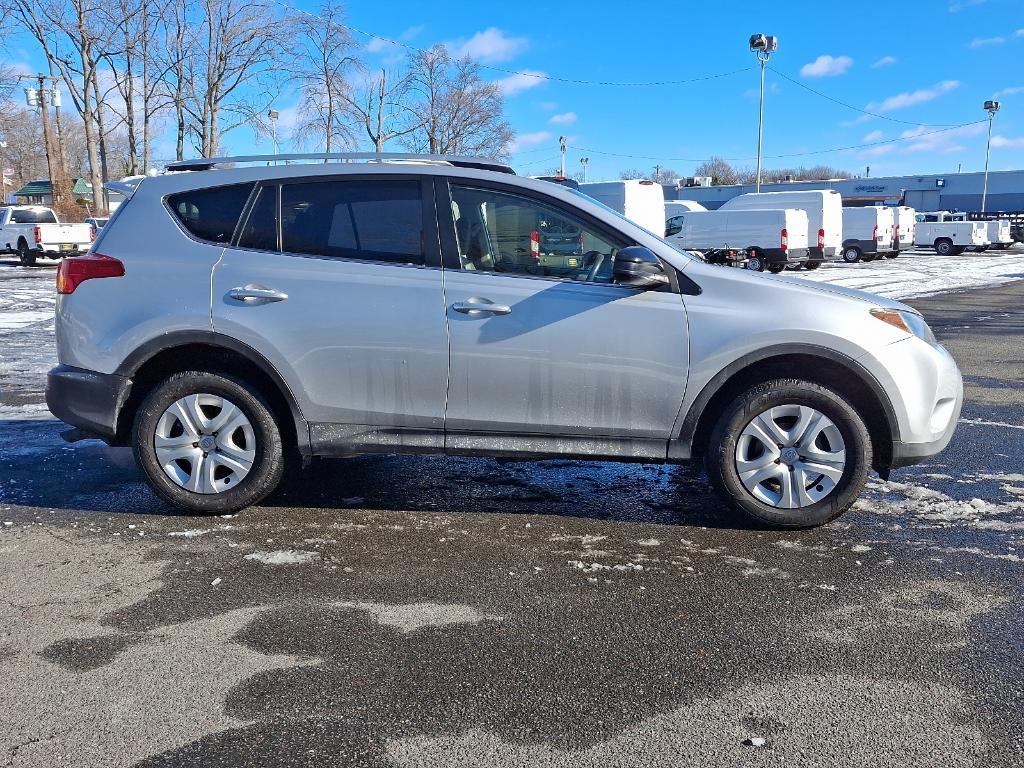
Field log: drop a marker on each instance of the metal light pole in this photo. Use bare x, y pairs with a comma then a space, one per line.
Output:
584, 161
763, 46
3, 172
991, 107
561, 149
272, 115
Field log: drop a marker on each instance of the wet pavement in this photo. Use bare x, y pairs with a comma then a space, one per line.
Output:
413, 611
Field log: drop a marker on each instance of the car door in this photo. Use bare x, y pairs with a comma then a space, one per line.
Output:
336, 282
547, 352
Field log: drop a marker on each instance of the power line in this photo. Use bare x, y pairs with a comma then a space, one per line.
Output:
825, 96
520, 72
791, 154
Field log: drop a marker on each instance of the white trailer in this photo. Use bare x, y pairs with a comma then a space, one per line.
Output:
639, 200
824, 209
772, 239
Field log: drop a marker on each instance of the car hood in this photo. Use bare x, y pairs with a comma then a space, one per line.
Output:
853, 293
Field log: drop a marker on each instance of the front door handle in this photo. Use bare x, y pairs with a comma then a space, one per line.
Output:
253, 293
477, 306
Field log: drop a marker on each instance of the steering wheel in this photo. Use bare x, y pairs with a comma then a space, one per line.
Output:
598, 258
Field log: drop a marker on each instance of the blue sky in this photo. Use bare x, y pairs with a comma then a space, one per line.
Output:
928, 62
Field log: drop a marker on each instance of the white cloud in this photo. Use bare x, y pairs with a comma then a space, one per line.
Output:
826, 66
378, 45
1005, 143
885, 61
489, 45
881, 149
1009, 91
519, 82
565, 118
982, 42
944, 142
910, 99
873, 136
958, 5
1019, 33
526, 140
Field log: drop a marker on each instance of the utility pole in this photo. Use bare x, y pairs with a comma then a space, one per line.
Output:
584, 161
41, 98
3, 172
561, 149
657, 173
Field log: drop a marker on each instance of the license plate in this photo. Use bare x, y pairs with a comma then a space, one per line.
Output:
67, 246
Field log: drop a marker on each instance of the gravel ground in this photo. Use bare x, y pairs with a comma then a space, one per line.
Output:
410, 611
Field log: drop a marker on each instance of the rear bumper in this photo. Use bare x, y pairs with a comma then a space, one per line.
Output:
86, 399
789, 256
828, 253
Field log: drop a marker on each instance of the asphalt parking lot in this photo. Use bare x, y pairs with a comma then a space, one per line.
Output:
408, 611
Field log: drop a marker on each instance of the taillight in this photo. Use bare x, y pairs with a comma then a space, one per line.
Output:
535, 244
581, 242
784, 239
821, 238
874, 234
77, 269
92, 233
38, 233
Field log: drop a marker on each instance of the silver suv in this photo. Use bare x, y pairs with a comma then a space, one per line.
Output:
228, 317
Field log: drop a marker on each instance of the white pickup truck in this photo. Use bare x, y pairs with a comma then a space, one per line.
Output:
947, 236
33, 231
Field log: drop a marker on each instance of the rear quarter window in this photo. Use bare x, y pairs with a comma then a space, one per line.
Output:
210, 214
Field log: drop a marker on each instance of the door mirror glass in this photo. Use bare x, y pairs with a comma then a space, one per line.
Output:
638, 267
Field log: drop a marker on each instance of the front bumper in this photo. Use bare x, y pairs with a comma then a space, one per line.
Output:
86, 399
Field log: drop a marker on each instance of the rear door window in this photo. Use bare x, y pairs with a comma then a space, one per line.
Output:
211, 214
365, 219
260, 230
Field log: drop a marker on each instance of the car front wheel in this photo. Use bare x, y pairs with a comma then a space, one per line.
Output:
208, 443
789, 453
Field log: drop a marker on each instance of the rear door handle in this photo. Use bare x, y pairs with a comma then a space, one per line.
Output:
476, 306
253, 293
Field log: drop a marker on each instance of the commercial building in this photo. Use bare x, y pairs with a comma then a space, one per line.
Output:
931, 192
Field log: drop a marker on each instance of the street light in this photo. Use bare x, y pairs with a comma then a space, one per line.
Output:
583, 162
991, 107
272, 115
763, 46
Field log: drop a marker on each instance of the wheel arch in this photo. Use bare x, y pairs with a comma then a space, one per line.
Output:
176, 351
820, 365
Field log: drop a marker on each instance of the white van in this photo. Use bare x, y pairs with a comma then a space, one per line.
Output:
904, 224
772, 239
824, 209
867, 233
639, 200
675, 207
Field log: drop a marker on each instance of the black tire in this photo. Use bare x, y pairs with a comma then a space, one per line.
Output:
721, 452
268, 464
869, 256
944, 247
776, 268
852, 254
892, 255
755, 260
812, 265
25, 256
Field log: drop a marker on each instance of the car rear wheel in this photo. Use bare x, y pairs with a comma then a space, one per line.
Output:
812, 265
944, 247
851, 254
25, 256
789, 453
208, 443
892, 255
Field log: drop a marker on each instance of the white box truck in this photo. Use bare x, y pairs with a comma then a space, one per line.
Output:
772, 239
936, 229
639, 200
867, 233
904, 224
824, 209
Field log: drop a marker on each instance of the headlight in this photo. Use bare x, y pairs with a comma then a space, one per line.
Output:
911, 322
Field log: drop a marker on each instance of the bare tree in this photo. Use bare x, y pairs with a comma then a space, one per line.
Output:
456, 111
325, 114
632, 173
232, 71
720, 171
176, 40
381, 106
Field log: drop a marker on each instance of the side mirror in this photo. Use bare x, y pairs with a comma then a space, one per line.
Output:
638, 267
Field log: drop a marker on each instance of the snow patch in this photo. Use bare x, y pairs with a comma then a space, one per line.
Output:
283, 557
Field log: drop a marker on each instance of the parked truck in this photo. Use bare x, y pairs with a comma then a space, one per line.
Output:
639, 200
904, 224
938, 230
34, 231
824, 208
867, 233
771, 239
997, 230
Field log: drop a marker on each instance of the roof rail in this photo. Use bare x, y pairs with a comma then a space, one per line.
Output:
206, 163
